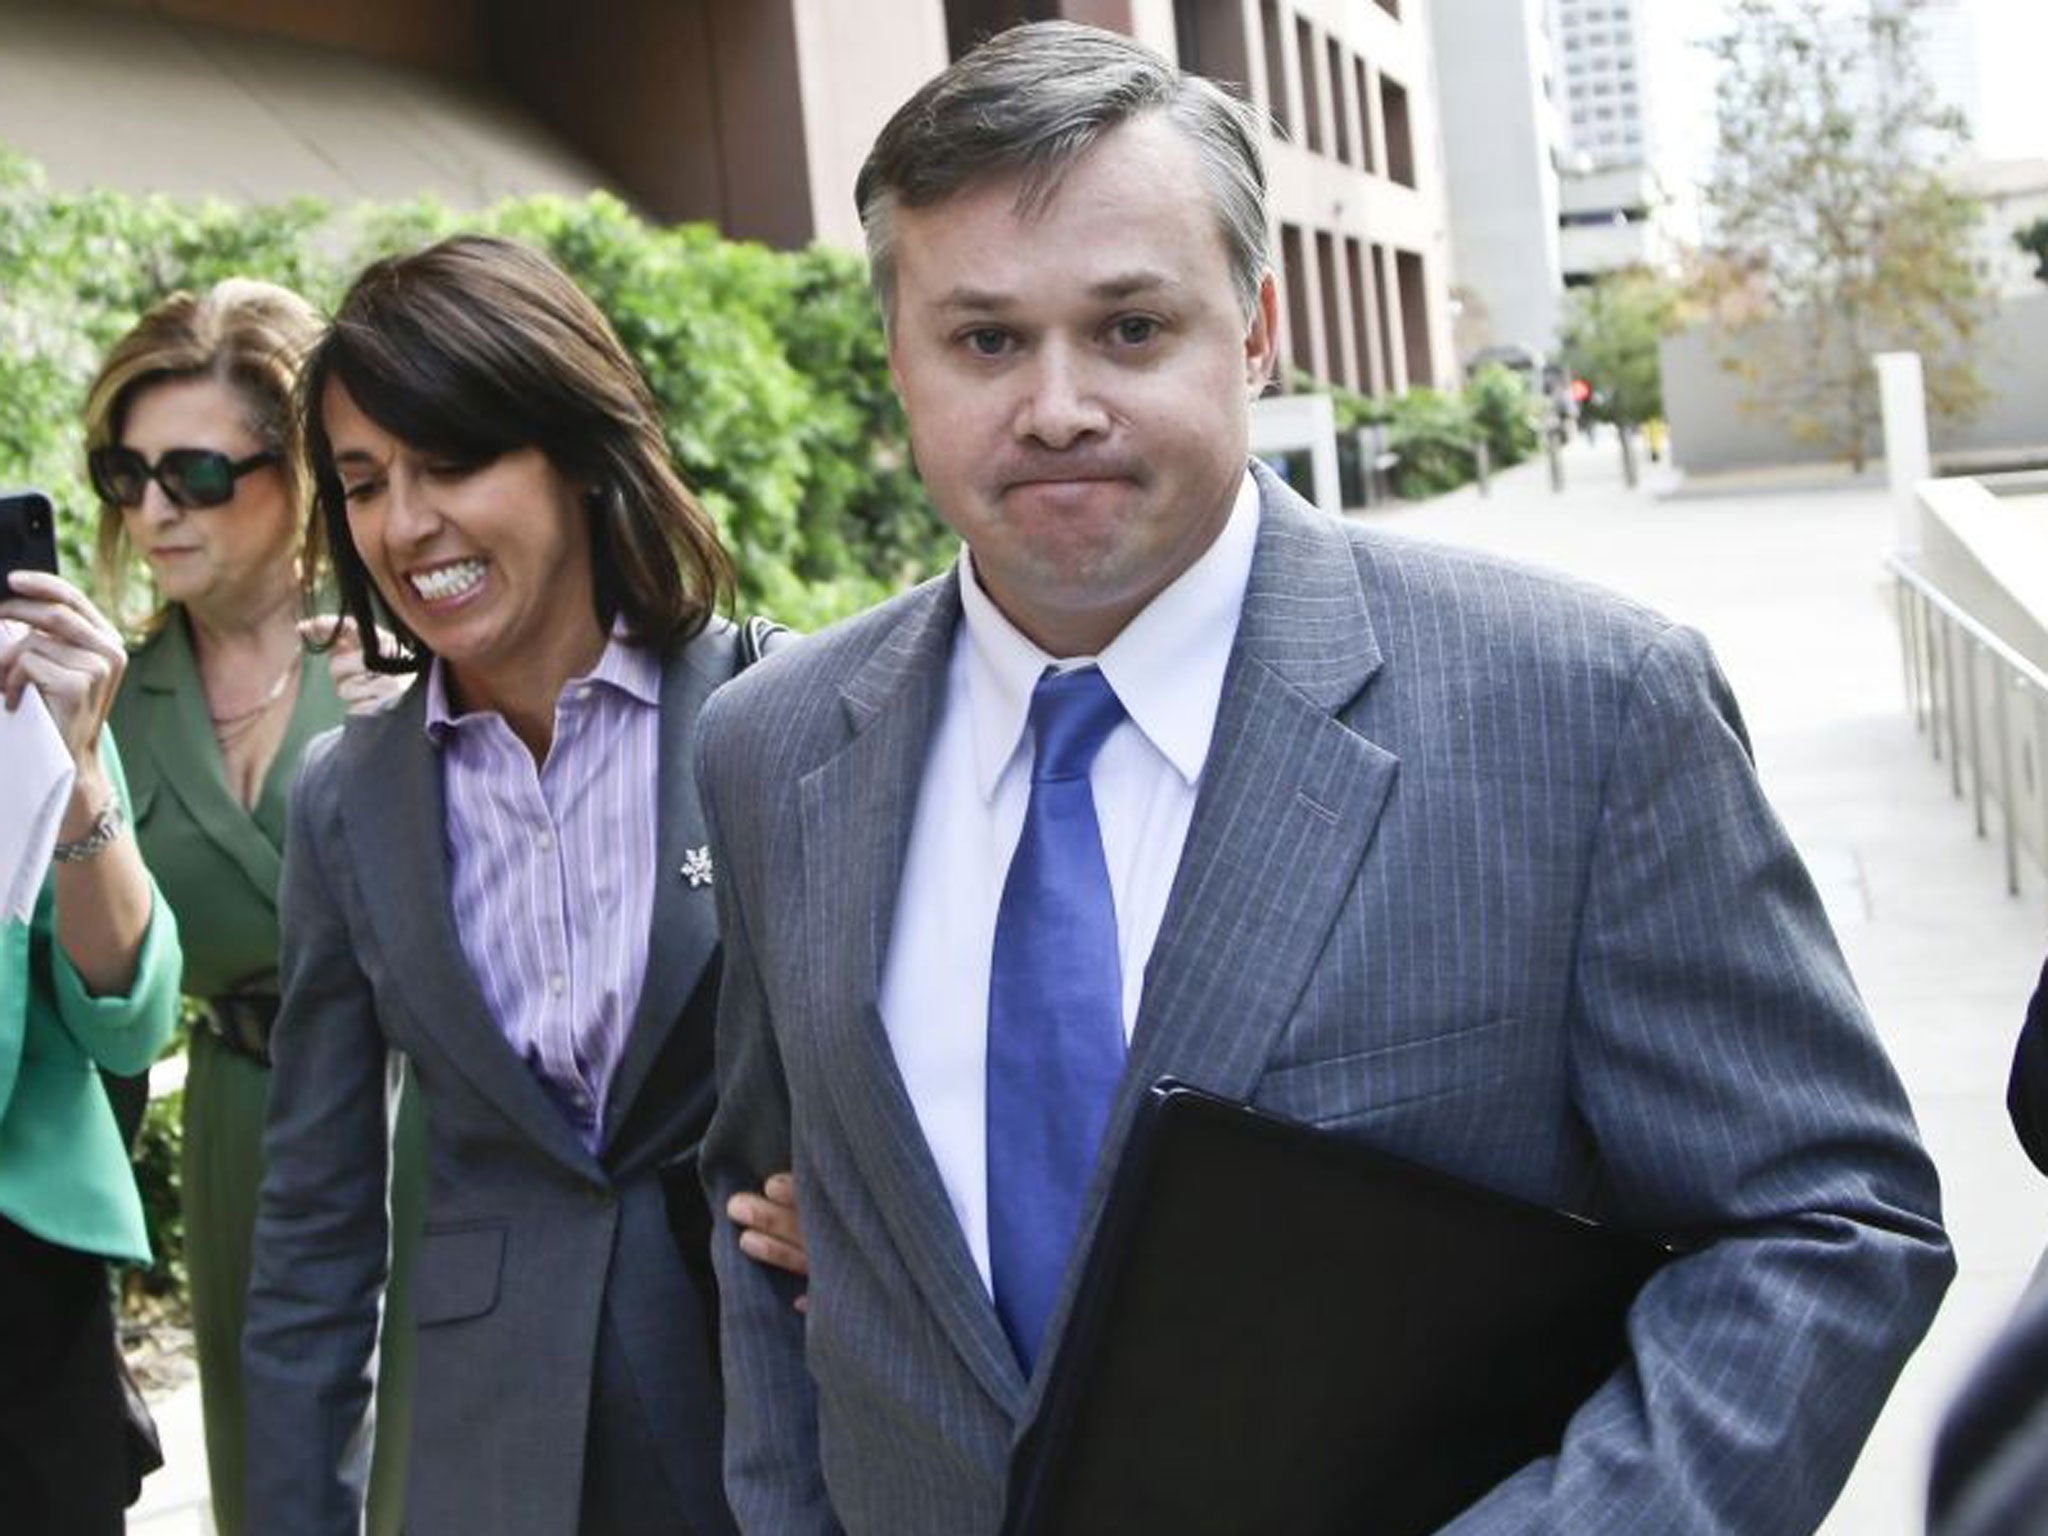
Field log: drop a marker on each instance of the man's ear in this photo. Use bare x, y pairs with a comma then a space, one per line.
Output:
891, 340
1261, 337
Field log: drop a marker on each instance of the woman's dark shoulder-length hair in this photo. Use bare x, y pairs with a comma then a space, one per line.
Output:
476, 347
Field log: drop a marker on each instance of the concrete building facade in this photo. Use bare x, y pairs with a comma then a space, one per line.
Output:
1360, 233
1495, 75
752, 114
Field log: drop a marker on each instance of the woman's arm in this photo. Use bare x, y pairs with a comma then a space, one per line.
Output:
74, 658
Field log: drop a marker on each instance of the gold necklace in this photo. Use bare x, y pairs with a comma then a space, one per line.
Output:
226, 725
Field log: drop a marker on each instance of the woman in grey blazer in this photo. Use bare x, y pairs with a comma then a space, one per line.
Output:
503, 877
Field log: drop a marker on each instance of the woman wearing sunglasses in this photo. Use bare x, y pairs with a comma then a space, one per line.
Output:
504, 877
188, 438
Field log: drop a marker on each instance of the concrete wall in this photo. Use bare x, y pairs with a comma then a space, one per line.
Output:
1711, 431
163, 101
431, 34
1988, 554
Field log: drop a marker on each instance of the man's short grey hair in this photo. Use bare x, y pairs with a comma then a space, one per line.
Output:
1031, 101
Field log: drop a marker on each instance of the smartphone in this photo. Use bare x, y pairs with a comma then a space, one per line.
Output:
28, 534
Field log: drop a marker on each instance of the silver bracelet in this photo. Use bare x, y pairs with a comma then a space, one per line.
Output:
106, 826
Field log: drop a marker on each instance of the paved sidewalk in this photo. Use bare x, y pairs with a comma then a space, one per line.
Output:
1786, 582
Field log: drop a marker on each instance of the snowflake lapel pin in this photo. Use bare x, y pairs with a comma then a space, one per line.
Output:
697, 867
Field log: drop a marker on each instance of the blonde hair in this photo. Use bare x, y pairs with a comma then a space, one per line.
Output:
251, 336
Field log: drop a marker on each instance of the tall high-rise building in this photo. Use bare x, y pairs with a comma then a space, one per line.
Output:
1495, 78
1633, 131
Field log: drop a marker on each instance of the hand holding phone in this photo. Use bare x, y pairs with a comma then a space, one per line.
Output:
64, 647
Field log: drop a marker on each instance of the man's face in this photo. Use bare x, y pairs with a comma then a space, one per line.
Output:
1077, 379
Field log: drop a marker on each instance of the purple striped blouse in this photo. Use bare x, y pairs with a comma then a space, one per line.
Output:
551, 870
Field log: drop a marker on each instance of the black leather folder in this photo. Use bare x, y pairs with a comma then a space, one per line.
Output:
1283, 1330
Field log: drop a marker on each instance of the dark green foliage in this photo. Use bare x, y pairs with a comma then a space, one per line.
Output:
1612, 329
1505, 412
769, 367
157, 1150
2033, 239
1436, 432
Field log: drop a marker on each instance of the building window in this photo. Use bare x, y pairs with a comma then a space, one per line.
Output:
1311, 92
1362, 89
1400, 137
969, 22
1414, 318
1334, 370
1210, 36
1383, 307
1294, 273
1371, 380
1340, 108
1276, 68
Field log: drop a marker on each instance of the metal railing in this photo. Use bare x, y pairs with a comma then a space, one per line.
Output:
1940, 643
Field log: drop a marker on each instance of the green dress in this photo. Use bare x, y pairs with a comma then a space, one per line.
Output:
218, 866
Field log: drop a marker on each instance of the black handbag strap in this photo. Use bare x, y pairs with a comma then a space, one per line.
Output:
758, 636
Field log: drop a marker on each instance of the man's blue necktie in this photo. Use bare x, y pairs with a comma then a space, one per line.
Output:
1055, 1011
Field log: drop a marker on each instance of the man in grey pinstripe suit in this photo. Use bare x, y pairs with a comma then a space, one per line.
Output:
1429, 849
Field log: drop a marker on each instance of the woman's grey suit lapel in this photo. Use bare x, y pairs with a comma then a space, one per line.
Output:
683, 932
393, 819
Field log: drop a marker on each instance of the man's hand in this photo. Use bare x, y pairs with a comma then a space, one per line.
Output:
769, 1230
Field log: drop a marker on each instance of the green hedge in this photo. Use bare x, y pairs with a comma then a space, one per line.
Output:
769, 365
158, 1147
1434, 431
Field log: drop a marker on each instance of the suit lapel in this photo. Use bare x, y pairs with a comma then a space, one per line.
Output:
683, 931
182, 756
1289, 801
393, 816
1290, 798
857, 809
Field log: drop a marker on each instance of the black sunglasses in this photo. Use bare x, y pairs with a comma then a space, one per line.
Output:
191, 477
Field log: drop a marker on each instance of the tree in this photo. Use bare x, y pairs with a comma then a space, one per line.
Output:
1611, 331
2033, 239
1829, 205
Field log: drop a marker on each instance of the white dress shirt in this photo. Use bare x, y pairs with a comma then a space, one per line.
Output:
1167, 668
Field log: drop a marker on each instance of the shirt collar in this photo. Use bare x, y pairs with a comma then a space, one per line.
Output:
622, 666
1166, 666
